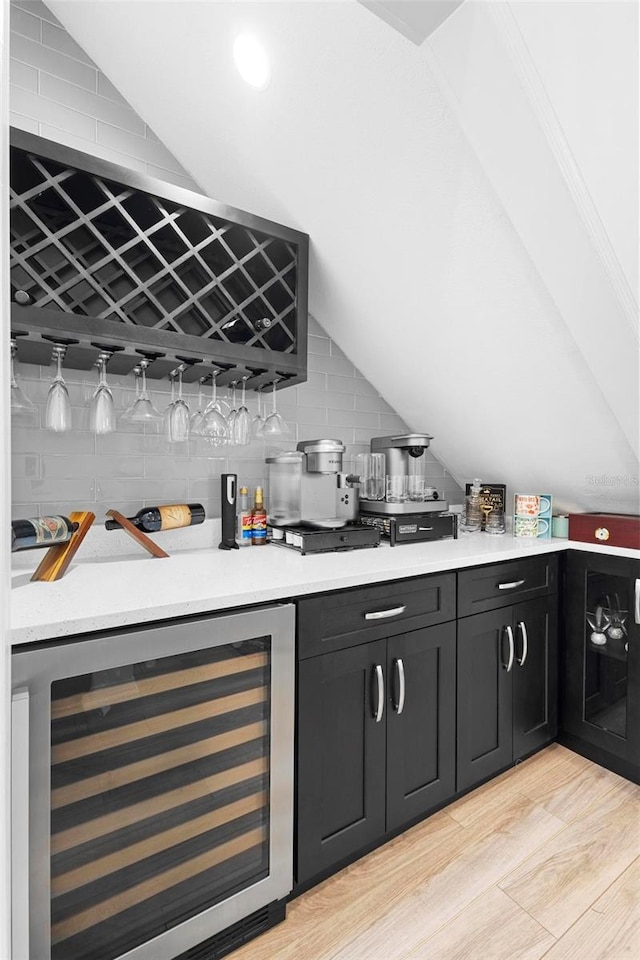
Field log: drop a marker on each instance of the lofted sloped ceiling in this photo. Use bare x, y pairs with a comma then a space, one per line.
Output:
449, 258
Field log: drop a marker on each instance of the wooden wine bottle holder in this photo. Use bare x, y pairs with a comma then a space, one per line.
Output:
141, 538
56, 560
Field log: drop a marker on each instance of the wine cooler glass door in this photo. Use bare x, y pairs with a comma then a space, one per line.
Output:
606, 653
160, 784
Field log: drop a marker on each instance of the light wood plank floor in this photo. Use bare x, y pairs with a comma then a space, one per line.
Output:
544, 861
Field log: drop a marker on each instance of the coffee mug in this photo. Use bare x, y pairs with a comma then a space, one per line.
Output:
525, 527
527, 505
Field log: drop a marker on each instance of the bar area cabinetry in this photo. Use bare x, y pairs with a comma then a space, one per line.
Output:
600, 702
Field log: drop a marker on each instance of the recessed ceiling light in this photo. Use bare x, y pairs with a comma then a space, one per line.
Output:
252, 61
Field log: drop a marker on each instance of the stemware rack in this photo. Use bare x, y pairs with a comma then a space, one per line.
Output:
103, 257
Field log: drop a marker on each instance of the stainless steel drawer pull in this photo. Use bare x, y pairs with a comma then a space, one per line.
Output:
399, 706
525, 643
637, 618
511, 586
381, 614
512, 649
380, 694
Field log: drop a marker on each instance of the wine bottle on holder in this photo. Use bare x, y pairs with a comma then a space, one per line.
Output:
40, 532
154, 519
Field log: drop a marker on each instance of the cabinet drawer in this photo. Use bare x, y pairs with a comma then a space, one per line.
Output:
486, 588
348, 617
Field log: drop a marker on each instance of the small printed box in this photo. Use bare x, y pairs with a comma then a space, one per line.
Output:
493, 496
532, 515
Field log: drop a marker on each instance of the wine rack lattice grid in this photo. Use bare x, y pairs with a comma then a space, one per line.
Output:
84, 244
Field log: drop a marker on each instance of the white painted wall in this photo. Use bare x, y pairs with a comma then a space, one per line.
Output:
509, 344
586, 55
5, 580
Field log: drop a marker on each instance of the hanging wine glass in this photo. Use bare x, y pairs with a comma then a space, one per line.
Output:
257, 423
23, 410
179, 420
129, 410
274, 425
143, 409
57, 414
214, 425
197, 418
231, 416
242, 421
102, 415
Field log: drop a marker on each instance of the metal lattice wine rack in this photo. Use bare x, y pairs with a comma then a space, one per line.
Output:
104, 255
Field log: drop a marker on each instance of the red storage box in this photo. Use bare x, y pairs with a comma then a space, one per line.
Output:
612, 529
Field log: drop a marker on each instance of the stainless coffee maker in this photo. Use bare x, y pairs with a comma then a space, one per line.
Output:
307, 487
406, 489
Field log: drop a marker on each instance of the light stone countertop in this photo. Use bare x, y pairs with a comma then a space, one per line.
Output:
108, 586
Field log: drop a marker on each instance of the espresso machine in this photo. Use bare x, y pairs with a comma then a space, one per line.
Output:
405, 508
313, 503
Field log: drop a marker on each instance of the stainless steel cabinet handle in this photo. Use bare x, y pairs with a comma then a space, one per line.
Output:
511, 586
20, 821
381, 614
525, 643
512, 649
399, 706
637, 617
380, 690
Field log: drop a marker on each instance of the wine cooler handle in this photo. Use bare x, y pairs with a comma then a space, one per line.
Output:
20, 822
637, 617
379, 693
525, 643
512, 649
399, 706
382, 614
511, 585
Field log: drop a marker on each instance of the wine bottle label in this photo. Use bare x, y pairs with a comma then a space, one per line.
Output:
49, 529
176, 515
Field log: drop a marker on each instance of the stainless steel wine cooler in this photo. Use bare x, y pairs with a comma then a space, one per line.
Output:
152, 785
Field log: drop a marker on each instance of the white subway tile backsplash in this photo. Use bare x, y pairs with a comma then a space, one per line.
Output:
25, 23
373, 404
107, 89
336, 366
353, 418
392, 423
52, 133
25, 465
27, 440
59, 93
140, 147
180, 179
351, 385
37, 9
57, 64
79, 490
47, 111
119, 114
319, 346
24, 123
91, 465
62, 41
150, 491
24, 76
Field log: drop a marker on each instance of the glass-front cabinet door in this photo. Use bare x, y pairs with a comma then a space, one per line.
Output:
602, 653
156, 765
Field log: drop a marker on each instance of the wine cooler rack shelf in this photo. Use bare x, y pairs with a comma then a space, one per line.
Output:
102, 254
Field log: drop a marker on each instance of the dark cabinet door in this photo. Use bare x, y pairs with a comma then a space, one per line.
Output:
484, 696
535, 674
421, 717
341, 755
601, 660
